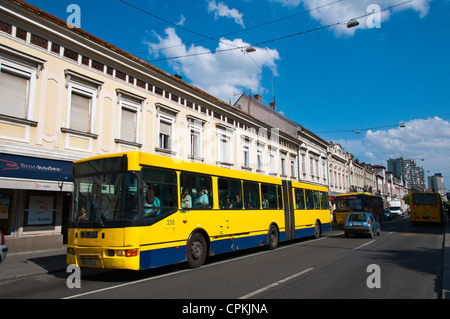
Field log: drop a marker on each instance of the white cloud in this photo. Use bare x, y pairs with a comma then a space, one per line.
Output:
221, 73
419, 139
346, 10
222, 10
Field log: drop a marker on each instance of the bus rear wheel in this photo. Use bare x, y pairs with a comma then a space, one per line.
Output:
317, 230
196, 251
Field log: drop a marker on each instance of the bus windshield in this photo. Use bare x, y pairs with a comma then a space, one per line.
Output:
106, 198
349, 204
425, 199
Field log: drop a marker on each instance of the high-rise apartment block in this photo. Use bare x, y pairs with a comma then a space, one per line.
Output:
413, 176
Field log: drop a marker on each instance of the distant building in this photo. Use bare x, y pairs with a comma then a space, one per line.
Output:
436, 184
411, 175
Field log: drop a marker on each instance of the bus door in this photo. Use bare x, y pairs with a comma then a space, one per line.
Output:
289, 210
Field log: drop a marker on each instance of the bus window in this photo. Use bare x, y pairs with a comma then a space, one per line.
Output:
280, 197
160, 192
269, 196
309, 199
316, 200
251, 195
230, 194
324, 200
199, 188
299, 199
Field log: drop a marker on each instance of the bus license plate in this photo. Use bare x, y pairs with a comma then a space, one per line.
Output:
89, 262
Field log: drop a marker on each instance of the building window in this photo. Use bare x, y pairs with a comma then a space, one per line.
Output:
283, 166
129, 119
195, 131
81, 102
130, 106
246, 155
225, 145
165, 132
260, 158
196, 143
293, 168
272, 163
80, 110
16, 90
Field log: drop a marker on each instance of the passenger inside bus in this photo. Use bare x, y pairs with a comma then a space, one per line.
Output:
151, 204
202, 199
186, 199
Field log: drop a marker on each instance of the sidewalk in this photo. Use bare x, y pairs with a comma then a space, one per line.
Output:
446, 261
23, 265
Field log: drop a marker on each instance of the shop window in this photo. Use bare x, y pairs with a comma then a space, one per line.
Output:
40, 209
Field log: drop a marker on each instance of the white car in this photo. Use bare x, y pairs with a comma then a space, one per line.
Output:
396, 212
3, 248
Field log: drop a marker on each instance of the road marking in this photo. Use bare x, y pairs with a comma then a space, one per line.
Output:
257, 292
205, 266
361, 246
125, 284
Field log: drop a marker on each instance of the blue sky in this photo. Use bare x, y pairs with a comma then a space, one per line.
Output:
333, 81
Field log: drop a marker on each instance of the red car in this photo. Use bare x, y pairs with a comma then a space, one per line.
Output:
3, 248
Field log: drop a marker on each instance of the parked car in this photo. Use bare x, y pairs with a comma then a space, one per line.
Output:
3, 248
361, 223
387, 214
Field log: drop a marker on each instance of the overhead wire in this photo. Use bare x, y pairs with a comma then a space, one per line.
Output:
343, 22
253, 27
234, 47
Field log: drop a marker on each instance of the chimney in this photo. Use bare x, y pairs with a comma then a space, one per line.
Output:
258, 97
273, 105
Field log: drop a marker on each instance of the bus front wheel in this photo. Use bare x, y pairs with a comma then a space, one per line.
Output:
196, 250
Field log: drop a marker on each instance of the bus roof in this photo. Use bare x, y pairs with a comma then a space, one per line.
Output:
136, 160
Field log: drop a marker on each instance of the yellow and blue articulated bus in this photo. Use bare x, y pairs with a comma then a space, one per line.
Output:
139, 211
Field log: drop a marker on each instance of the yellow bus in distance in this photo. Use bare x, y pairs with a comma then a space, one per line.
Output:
358, 203
139, 211
426, 207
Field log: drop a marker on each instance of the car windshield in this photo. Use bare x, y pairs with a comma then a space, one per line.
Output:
105, 198
357, 218
349, 204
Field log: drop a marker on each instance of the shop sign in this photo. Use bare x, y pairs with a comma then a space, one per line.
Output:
34, 168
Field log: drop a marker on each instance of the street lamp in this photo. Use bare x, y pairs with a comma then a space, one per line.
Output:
250, 49
352, 23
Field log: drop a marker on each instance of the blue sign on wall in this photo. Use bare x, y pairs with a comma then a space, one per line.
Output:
34, 168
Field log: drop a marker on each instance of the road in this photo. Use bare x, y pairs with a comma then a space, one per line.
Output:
406, 263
